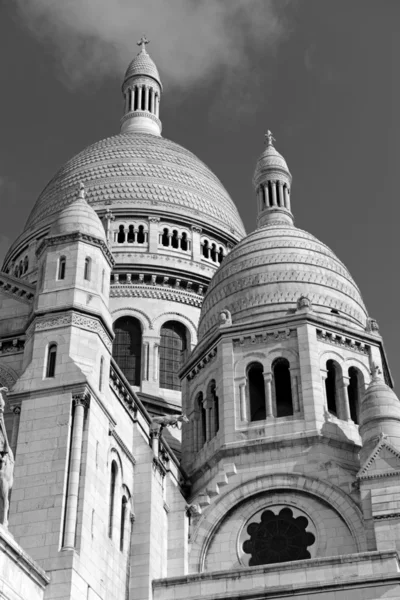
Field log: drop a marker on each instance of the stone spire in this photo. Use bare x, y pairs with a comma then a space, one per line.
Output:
272, 181
142, 90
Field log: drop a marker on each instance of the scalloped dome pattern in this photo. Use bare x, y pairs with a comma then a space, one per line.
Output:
78, 216
142, 64
266, 273
140, 170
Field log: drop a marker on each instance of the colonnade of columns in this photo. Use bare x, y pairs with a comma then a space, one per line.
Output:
142, 97
274, 194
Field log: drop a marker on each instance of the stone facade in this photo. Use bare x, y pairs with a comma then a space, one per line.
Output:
286, 481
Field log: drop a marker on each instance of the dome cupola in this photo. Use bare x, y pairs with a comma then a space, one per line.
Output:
142, 90
379, 414
272, 181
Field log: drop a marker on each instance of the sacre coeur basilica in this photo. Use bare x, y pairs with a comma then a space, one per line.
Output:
187, 411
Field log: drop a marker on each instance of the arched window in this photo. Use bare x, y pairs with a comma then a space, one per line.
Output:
16, 271
355, 390
206, 249
131, 234
220, 255
140, 235
113, 481
201, 421
184, 242
88, 265
165, 237
121, 234
283, 387
174, 239
213, 253
101, 373
61, 267
51, 360
331, 386
20, 268
127, 348
255, 378
124, 503
26, 264
173, 344
212, 400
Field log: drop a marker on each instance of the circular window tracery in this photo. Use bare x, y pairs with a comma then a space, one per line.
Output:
276, 538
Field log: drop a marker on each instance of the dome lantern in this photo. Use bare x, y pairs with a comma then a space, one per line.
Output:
142, 90
272, 181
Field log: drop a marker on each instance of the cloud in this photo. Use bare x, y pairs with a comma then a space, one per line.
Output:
192, 39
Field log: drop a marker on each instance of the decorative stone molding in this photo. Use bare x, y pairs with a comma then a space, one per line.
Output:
388, 517
202, 363
81, 399
123, 393
159, 292
123, 446
140, 113
128, 309
343, 341
265, 337
8, 376
77, 237
364, 472
17, 289
71, 318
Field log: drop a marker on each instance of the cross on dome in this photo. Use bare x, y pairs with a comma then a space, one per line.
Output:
269, 138
143, 42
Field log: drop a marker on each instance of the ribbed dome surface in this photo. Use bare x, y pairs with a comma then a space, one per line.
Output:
78, 216
142, 64
379, 402
136, 170
267, 272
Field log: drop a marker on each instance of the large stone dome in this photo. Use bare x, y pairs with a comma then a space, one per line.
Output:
139, 170
267, 272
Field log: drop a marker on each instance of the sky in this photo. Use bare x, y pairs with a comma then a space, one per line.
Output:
323, 75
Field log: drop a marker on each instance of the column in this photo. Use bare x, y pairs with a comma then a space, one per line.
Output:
146, 98
79, 402
157, 105
196, 250
281, 201
294, 379
139, 103
145, 373
152, 97
287, 197
344, 400
15, 429
242, 400
273, 186
268, 394
266, 195
131, 93
153, 234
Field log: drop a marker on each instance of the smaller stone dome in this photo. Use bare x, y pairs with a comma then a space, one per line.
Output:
379, 414
78, 216
270, 161
142, 64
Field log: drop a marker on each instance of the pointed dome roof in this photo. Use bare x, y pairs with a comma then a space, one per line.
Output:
78, 216
270, 160
143, 65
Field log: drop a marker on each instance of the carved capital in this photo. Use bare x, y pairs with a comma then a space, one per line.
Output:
196, 229
81, 399
154, 219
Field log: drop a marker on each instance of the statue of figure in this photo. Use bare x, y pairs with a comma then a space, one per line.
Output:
225, 317
169, 421
376, 371
303, 302
6, 464
372, 325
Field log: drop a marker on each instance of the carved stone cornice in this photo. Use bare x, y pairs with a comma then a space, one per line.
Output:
160, 292
265, 337
12, 346
202, 363
16, 288
69, 318
123, 446
342, 340
77, 236
140, 113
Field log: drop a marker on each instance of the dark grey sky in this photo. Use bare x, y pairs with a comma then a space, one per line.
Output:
323, 75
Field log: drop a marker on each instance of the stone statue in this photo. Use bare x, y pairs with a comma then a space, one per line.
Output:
372, 325
169, 421
304, 302
269, 138
376, 371
225, 317
6, 463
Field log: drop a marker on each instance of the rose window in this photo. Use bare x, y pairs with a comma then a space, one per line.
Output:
278, 538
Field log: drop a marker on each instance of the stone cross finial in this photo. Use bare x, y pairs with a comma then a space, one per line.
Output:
269, 138
81, 194
143, 42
